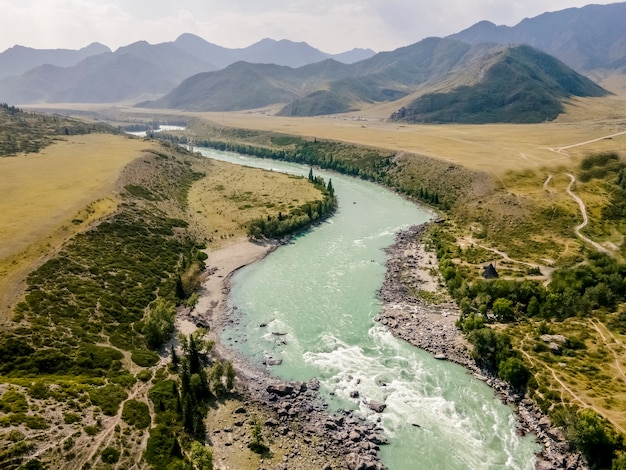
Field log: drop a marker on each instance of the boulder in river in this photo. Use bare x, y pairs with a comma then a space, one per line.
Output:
377, 406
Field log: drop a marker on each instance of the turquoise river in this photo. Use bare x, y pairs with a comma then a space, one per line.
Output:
318, 297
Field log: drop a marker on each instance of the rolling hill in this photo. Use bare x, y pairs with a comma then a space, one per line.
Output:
520, 84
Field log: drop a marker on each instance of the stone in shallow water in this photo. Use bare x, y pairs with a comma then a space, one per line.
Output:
377, 406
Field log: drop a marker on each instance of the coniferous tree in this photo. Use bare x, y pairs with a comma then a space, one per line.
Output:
175, 360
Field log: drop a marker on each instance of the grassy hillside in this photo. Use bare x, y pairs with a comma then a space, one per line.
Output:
27, 132
65, 183
82, 379
521, 85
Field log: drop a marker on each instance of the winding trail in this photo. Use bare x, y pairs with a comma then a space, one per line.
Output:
564, 386
560, 150
602, 330
585, 221
107, 433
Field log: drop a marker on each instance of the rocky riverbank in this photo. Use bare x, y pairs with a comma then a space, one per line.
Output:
430, 325
304, 433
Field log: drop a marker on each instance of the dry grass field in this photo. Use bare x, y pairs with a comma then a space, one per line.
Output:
229, 196
495, 148
49, 196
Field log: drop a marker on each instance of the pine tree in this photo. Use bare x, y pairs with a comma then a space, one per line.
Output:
175, 360
230, 376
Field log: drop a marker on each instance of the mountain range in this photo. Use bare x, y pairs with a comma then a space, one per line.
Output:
587, 38
481, 83
96, 74
477, 75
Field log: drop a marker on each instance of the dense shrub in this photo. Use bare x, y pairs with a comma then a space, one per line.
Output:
159, 323
144, 357
13, 401
110, 455
590, 434
108, 398
163, 448
136, 413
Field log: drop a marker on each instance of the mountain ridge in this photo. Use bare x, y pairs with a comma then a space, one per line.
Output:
26, 77
586, 38
492, 82
19, 59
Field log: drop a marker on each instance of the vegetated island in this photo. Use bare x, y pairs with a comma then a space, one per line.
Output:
551, 316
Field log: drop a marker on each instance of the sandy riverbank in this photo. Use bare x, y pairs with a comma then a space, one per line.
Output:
221, 264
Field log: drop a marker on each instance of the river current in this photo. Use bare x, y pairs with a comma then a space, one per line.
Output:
317, 299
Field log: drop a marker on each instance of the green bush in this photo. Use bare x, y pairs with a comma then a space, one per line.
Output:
144, 357
144, 375
136, 413
71, 418
110, 455
108, 398
159, 323
13, 401
91, 430
513, 370
164, 395
163, 448
590, 434
39, 390
35, 422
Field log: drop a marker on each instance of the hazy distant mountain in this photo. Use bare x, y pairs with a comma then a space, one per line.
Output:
129, 72
497, 83
243, 85
140, 69
266, 51
587, 38
19, 59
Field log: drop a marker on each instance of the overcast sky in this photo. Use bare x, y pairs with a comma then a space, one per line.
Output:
330, 25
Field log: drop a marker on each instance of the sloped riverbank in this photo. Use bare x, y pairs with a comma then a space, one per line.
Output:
432, 327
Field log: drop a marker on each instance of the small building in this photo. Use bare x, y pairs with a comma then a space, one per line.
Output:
489, 271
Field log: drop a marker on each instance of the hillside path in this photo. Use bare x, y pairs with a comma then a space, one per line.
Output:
564, 386
602, 330
566, 147
585, 221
